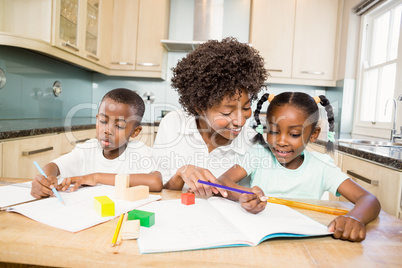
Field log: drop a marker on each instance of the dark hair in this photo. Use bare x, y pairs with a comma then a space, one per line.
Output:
215, 70
127, 96
302, 101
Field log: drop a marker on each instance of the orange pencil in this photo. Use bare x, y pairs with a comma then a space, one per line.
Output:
295, 204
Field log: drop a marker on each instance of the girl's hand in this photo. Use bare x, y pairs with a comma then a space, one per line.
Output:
348, 228
191, 174
78, 181
41, 186
253, 203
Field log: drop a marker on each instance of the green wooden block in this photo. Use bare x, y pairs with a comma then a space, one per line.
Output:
147, 219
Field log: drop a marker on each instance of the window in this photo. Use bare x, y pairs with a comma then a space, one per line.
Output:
379, 72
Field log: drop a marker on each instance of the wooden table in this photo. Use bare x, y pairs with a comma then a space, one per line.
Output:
25, 241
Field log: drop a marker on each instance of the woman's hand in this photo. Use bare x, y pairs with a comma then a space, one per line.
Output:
41, 186
191, 174
89, 179
253, 203
348, 228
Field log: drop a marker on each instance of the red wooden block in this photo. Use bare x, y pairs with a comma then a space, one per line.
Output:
187, 199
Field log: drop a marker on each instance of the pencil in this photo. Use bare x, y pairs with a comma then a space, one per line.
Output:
329, 210
118, 242
56, 193
117, 231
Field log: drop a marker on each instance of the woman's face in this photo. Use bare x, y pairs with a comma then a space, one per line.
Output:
225, 120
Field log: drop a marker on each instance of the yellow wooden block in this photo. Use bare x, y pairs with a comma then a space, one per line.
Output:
136, 193
121, 183
104, 206
130, 229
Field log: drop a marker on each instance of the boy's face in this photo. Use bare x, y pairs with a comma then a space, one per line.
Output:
288, 135
227, 119
115, 124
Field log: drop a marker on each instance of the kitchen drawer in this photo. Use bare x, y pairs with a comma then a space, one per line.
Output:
383, 182
19, 155
68, 140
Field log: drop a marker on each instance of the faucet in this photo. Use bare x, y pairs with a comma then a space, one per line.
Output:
394, 134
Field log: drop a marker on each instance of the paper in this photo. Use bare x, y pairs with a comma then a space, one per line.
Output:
218, 222
15, 194
78, 213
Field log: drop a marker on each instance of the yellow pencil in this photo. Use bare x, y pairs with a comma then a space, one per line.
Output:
329, 210
116, 232
118, 242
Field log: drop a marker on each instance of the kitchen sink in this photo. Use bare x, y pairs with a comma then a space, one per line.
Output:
371, 143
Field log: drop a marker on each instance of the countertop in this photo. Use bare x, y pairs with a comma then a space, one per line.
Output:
386, 156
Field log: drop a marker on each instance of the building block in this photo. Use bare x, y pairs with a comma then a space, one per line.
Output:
136, 193
147, 219
104, 206
188, 199
121, 183
130, 230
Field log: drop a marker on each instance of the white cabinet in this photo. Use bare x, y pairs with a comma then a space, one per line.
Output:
298, 39
19, 155
138, 27
147, 135
69, 139
1, 160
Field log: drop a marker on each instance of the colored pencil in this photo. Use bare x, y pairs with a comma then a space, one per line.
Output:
117, 230
56, 193
289, 203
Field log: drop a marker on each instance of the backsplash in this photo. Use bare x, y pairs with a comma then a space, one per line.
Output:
30, 77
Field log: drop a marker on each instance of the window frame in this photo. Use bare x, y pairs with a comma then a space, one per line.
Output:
377, 129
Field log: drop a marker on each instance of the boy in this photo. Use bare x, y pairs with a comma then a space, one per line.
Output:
99, 160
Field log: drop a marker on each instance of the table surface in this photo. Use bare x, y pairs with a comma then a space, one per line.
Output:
23, 240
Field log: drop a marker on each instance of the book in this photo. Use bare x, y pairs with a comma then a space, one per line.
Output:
15, 193
218, 222
78, 213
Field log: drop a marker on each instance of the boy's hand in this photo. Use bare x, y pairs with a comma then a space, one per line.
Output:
77, 181
348, 228
191, 174
253, 203
41, 186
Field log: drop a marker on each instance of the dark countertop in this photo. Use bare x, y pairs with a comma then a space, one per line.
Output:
29, 127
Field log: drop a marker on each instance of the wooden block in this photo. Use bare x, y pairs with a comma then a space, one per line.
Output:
104, 206
130, 229
147, 219
188, 199
121, 183
136, 193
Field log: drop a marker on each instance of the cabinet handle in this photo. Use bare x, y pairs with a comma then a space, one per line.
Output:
150, 64
92, 57
70, 46
26, 153
310, 72
359, 177
79, 141
274, 70
122, 63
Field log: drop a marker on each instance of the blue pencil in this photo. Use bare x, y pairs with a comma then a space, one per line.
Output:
53, 189
225, 187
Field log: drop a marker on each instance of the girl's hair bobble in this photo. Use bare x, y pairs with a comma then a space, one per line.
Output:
271, 97
317, 99
259, 129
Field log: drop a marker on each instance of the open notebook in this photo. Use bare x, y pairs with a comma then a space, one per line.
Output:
218, 222
79, 212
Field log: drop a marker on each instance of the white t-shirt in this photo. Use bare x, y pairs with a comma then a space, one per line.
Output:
316, 175
179, 143
87, 158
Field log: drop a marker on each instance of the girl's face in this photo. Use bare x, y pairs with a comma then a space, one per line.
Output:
288, 135
225, 121
115, 124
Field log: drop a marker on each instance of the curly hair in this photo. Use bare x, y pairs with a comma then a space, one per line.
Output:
216, 70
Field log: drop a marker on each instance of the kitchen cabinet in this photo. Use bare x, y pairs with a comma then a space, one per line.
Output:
138, 27
1, 159
382, 182
78, 25
298, 39
147, 135
19, 155
69, 139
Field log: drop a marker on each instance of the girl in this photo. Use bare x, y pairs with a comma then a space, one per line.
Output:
216, 83
281, 167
